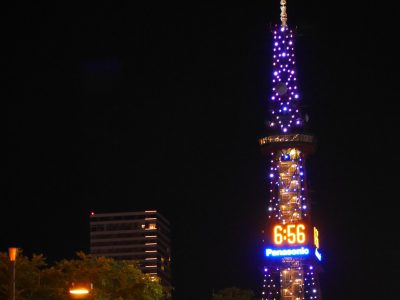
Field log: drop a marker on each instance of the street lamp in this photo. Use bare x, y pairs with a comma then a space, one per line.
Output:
12, 253
80, 290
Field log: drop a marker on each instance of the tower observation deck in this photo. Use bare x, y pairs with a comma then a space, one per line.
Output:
292, 252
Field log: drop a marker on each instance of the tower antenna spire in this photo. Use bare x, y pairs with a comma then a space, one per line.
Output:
283, 13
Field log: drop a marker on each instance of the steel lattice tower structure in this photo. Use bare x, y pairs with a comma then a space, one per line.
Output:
292, 255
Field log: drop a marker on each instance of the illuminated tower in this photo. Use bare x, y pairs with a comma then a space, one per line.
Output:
291, 252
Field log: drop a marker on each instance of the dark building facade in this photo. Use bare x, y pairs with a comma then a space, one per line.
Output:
142, 236
292, 252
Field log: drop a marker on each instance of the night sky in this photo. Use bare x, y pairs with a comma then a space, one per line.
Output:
115, 107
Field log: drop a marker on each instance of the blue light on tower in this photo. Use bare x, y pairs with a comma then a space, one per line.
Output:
284, 99
291, 246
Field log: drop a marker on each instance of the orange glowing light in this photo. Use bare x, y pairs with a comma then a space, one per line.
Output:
79, 291
278, 237
291, 233
316, 238
12, 253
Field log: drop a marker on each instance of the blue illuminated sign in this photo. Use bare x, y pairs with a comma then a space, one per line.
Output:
318, 255
286, 252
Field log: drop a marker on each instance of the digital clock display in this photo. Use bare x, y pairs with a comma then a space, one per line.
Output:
293, 239
289, 234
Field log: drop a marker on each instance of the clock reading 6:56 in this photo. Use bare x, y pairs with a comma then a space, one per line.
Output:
289, 233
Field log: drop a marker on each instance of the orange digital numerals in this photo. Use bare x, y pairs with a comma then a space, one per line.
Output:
290, 233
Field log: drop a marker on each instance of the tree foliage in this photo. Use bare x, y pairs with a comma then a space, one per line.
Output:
233, 293
111, 279
27, 277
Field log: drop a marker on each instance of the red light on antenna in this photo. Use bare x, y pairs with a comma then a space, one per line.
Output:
92, 213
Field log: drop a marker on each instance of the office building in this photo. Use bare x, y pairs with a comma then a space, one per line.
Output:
142, 236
